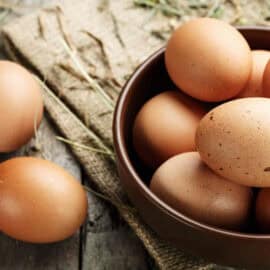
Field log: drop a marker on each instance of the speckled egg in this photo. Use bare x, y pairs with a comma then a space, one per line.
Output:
234, 140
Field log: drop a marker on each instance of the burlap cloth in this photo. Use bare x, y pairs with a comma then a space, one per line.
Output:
110, 39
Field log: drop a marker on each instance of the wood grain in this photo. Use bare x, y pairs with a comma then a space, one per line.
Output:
108, 243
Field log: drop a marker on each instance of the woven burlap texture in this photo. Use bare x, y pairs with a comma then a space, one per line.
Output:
111, 38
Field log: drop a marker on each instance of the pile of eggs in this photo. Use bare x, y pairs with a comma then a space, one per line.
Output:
39, 201
212, 166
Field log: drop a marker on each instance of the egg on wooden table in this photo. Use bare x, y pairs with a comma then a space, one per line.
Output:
233, 139
39, 201
21, 106
254, 87
208, 59
185, 183
166, 126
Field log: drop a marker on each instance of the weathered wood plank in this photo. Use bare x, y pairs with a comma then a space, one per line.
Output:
16, 255
108, 242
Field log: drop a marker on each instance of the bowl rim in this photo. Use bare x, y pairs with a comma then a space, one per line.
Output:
127, 164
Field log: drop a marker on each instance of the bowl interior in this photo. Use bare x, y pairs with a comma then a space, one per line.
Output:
152, 78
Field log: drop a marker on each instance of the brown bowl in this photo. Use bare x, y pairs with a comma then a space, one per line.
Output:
220, 246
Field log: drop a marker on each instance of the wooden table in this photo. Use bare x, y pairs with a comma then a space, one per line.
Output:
104, 242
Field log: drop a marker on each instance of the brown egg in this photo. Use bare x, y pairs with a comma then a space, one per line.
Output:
185, 183
39, 201
208, 59
263, 210
234, 140
21, 106
166, 126
254, 85
266, 81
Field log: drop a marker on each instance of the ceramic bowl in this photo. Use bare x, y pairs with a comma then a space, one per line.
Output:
250, 250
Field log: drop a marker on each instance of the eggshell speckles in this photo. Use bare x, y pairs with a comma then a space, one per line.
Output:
234, 140
189, 186
39, 201
208, 59
166, 126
